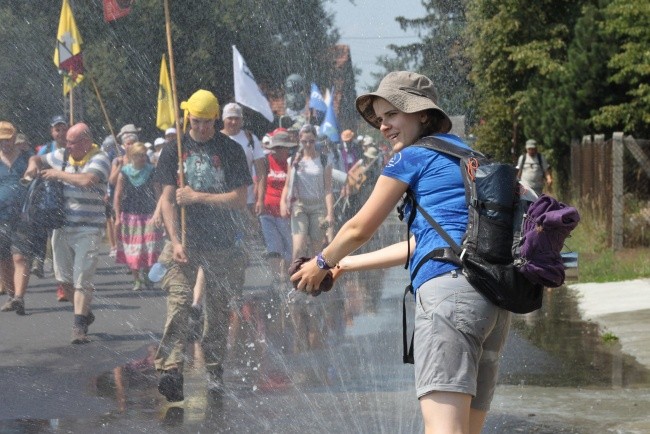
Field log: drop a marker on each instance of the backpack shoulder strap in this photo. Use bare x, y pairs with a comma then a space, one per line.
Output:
436, 144
539, 160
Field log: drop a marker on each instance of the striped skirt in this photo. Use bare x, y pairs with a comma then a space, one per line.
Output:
139, 243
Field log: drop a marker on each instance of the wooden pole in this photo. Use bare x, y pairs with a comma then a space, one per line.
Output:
179, 135
71, 104
108, 121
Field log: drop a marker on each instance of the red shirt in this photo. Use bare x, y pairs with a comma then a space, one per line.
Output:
275, 181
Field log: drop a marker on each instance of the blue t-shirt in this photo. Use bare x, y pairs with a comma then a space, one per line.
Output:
12, 192
436, 181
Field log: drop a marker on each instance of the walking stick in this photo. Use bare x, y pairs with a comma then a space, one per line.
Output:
108, 121
172, 73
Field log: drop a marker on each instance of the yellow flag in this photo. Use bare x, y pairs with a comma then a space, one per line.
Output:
67, 53
165, 115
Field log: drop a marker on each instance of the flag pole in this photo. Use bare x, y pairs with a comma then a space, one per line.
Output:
71, 104
179, 135
108, 121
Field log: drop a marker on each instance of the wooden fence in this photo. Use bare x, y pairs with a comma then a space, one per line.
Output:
598, 178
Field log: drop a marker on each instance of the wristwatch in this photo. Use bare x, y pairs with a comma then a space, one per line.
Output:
322, 263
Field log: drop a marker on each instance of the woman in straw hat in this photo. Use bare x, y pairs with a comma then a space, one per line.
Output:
458, 333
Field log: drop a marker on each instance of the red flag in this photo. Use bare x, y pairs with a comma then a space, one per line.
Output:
114, 9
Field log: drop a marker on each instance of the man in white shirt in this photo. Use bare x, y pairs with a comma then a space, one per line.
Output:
233, 122
533, 169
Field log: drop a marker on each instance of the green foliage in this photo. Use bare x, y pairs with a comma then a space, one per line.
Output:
518, 49
628, 22
597, 261
609, 337
276, 37
440, 54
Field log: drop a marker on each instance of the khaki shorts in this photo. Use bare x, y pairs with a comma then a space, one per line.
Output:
459, 336
308, 219
75, 254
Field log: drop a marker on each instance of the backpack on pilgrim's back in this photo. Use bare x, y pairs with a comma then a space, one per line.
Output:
511, 247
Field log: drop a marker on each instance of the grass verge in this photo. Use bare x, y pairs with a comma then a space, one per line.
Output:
600, 263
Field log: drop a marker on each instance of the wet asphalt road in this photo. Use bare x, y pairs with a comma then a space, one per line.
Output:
339, 370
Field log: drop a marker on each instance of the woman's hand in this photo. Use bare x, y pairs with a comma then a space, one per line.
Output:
336, 273
309, 277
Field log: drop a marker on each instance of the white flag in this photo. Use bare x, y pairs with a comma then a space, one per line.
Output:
247, 92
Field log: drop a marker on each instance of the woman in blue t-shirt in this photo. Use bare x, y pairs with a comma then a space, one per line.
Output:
458, 333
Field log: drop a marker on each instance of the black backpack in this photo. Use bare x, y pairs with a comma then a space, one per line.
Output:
491, 241
44, 205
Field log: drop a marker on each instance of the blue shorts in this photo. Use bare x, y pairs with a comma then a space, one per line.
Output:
459, 336
277, 235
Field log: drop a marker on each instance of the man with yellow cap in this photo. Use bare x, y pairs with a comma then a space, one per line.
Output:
217, 179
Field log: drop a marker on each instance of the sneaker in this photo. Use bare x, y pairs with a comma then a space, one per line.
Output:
215, 381
137, 285
112, 253
17, 304
37, 268
60, 294
79, 335
170, 385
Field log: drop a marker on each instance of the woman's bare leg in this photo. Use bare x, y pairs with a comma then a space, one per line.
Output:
446, 413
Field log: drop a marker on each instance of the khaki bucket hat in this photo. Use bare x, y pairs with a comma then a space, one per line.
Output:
409, 92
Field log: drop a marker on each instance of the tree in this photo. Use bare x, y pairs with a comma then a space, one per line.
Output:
276, 37
628, 22
516, 47
440, 54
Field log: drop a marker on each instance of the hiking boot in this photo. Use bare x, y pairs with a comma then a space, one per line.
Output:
37, 268
137, 285
14, 304
215, 381
170, 385
79, 335
60, 294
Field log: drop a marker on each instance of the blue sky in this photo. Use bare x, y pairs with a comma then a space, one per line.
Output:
369, 26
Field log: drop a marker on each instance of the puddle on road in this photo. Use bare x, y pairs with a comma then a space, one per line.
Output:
333, 364
581, 356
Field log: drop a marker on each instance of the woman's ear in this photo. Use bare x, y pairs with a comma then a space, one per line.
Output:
424, 117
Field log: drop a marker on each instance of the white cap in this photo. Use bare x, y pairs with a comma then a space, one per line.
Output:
232, 110
159, 141
171, 130
148, 145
